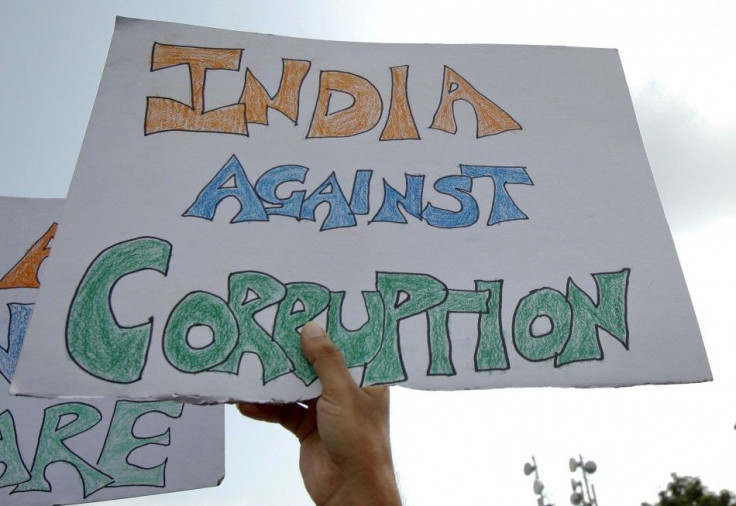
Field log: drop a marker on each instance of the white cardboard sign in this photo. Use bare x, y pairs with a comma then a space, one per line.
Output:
471, 216
82, 450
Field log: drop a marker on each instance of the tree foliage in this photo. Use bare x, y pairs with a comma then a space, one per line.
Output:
690, 491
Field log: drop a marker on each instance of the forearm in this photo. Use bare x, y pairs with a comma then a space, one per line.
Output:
376, 486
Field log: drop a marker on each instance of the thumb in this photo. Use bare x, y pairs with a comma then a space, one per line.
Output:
327, 361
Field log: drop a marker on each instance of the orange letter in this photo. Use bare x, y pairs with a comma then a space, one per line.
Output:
286, 101
400, 123
24, 274
362, 115
491, 118
164, 114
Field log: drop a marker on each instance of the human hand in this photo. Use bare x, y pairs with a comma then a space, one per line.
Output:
345, 455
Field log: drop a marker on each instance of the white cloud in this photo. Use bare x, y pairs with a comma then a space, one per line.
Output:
692, 159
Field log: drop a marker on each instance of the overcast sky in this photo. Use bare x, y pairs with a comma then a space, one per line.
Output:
679, 61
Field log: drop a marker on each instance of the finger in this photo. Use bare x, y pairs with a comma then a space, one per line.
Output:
290, 416
380, 393
327, 360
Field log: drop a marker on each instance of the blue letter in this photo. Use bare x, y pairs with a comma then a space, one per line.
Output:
20, 315
220, 187
330, 192
268, 183
392, 199
504, 208
359, 200
458, 187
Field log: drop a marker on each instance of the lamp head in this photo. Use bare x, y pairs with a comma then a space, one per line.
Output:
590, 467
576, 498
529, 469
538, 486
573, 465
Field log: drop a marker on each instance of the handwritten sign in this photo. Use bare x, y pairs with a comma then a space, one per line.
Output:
457, 216
81, 450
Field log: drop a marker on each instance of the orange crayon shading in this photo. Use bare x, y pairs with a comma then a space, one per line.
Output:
400, 123
359, 117
286, 100
24, 274
492, 119
164, 114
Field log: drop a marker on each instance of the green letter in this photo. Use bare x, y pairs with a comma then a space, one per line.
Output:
15, 471
52, 448
357, 346
490, 353
199, 309
94, 339
249, 293
404, 295
121, 442
303, 301
609, 314
440, 347
543, 303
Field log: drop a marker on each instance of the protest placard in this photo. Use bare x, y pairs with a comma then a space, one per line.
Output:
82, 450
458, 216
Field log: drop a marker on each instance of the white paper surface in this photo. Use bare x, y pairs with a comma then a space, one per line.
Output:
489, 207
75, 450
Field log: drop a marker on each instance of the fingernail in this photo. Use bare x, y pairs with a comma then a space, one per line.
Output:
248, 409
312, 330
244, 409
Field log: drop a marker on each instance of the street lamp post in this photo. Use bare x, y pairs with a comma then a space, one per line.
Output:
583, 496
538, 485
